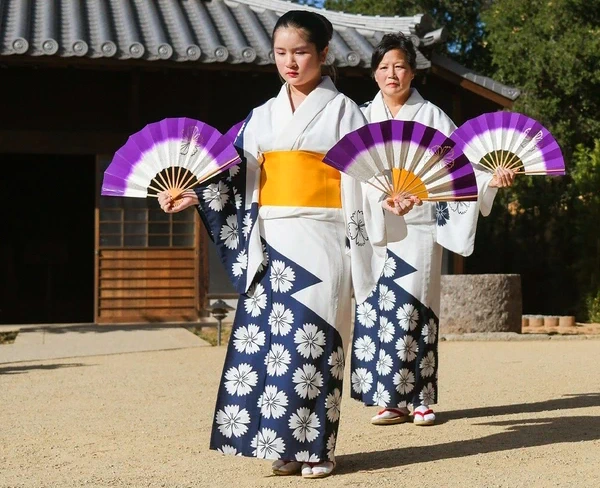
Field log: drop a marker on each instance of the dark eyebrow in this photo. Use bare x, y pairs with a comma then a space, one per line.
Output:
295, 48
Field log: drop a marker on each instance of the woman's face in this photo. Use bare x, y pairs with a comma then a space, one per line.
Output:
297, 60
393, 75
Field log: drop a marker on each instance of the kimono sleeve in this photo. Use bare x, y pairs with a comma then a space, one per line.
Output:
228, 211
366, 230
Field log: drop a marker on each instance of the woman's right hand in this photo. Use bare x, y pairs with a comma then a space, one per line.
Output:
187, 199
401, 204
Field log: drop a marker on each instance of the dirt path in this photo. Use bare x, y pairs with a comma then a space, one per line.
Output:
512, 414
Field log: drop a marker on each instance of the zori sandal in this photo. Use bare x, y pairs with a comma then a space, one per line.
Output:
423, 415
390, 416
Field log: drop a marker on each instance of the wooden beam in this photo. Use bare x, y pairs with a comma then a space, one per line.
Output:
108, 64
472, 87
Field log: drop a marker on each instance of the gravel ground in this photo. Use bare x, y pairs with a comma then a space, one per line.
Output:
511, 414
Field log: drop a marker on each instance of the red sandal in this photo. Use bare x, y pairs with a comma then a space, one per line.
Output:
423, 415
390, 416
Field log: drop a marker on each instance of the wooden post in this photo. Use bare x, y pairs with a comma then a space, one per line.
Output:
458, 262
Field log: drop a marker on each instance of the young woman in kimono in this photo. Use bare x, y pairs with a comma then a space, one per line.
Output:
395, 343
279, 223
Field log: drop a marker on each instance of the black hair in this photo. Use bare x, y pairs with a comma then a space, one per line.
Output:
316, 26
389, 42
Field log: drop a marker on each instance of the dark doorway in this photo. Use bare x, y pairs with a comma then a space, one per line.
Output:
47, 243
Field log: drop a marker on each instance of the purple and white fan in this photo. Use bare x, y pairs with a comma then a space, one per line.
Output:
512, 141
172, 155
234, 130
402, 157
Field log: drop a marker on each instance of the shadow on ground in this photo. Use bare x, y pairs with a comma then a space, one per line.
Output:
567, 402
518, 434
31, 367
100, 329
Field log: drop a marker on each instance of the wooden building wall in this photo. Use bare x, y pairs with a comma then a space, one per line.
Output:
56, 116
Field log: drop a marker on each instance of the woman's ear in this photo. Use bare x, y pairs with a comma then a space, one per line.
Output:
323, 56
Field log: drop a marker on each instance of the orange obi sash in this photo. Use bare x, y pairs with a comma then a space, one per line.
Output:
298, 179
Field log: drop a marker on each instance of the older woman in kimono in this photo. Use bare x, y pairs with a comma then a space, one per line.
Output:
279, 223
395, 343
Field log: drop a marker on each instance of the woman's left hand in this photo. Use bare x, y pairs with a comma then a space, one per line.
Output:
503, 177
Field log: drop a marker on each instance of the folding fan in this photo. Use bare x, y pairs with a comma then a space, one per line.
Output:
510, 140
233, 132
173, 155
405, 158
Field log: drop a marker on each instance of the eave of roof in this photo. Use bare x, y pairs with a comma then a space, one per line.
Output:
209, 34
482, 85
188, 31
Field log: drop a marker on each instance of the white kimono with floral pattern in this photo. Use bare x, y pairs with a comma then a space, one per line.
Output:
281, 389
394, 350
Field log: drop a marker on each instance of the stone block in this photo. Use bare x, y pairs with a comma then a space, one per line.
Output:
480, 303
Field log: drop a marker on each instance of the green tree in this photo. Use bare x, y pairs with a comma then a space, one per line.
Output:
462, 20
551, 50
586, 187
546, 229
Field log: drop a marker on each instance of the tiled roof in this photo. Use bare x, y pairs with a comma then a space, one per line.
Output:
215, 31
488, 83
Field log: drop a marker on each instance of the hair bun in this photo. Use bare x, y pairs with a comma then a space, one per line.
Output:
318, 28
328, 25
